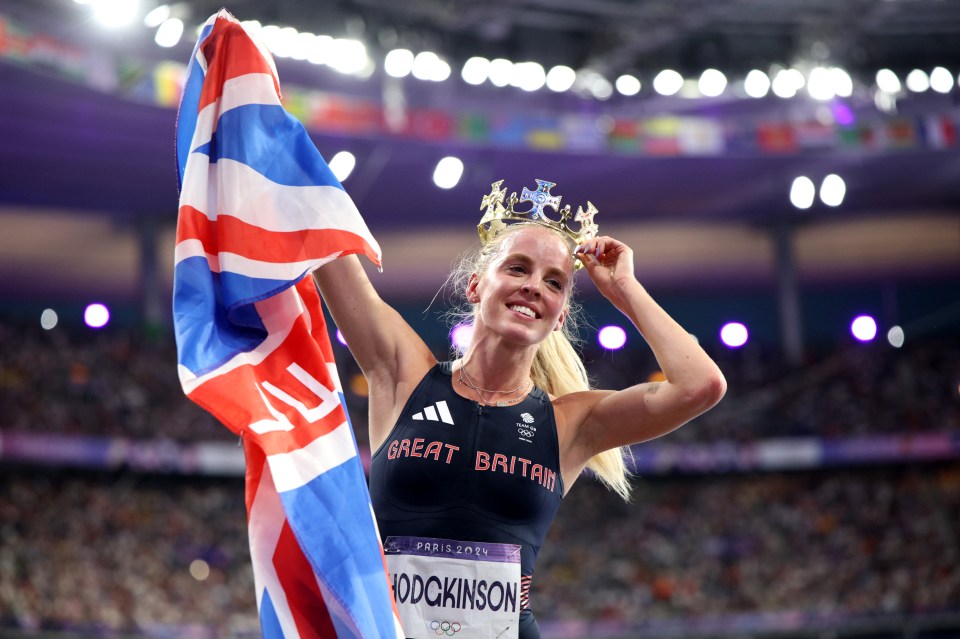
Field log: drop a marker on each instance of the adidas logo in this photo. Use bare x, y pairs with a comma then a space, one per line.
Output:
436, 413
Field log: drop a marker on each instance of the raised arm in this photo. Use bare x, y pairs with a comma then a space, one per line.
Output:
601, 420
391, 355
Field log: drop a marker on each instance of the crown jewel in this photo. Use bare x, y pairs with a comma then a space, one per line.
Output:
500, 212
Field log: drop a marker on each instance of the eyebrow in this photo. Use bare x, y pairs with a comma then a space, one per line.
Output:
523, 257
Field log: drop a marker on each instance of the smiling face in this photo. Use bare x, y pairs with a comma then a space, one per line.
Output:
522, 293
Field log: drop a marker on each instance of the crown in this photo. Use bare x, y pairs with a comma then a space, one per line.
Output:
500, 212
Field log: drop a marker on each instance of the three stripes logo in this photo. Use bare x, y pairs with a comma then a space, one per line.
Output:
435, 413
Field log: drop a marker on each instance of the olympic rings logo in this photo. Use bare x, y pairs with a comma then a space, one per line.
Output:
525, 432
448, 628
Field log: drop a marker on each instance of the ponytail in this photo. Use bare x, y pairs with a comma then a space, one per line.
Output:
558, 370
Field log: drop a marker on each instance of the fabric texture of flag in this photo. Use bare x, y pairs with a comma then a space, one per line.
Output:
259, 211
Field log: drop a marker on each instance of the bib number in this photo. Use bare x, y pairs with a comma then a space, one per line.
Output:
447, 588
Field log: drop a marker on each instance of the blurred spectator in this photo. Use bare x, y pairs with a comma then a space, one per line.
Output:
128, 553
121, 384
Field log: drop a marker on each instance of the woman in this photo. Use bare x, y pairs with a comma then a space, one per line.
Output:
482, 449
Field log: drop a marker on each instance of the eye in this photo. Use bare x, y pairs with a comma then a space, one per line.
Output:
555, 284
516, 268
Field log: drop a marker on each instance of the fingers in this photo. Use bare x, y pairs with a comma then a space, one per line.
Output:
597, 248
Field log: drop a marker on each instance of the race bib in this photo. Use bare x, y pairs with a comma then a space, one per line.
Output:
462, 589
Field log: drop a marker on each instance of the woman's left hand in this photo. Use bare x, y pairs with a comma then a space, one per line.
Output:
609, 263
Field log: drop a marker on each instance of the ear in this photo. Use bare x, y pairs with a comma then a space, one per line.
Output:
563, 318
473, 296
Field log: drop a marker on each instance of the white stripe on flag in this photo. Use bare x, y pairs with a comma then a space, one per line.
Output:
299, 467
261, 202
266, 521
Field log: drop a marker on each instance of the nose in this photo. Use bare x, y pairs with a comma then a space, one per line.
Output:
531, 287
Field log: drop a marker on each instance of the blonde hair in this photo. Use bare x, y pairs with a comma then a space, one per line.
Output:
557, 367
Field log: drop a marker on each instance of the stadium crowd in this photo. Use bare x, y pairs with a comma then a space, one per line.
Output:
168, 557
120, 384
124, 554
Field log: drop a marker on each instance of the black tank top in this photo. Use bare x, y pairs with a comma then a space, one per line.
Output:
454, 469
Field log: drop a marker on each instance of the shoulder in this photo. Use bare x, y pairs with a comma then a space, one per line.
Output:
573, 410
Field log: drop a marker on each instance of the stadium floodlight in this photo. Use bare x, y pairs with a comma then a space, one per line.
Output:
832, 190
612, 337
802, 192
756, 84
863, 328
96, 315
448, 172
342, 164
734, 334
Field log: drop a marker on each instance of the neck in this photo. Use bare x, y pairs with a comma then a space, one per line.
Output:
496, 368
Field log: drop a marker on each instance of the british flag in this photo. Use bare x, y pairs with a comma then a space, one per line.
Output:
259, 211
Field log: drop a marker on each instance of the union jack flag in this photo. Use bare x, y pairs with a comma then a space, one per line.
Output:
259, 211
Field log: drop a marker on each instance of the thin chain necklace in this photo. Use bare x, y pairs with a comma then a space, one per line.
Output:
466, 381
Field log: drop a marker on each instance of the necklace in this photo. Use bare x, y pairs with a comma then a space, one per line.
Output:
465, 380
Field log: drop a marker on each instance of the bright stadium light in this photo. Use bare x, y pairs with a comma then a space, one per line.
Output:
787, 82
734, 334
476, 70
864, 328
941, 80
712, 83
342, 164
820, 84
501, 70
320, 49
802, 192
528, 76
156, 16
627, 85
612, 337
832, 190
115, 14
560, 78
842, 82
348, 56
169, 33
96, 315
448, 172
667, 82
398, 63
918, 81
888, 82
756, 84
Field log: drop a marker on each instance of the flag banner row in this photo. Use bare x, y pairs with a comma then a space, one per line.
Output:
325, 112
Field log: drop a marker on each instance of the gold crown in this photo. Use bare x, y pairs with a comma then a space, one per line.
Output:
499, 213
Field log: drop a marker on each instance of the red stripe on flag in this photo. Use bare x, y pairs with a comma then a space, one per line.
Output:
250, 406
228, 234
244, 58
300, 586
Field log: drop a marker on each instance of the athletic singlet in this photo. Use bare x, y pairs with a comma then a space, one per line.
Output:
454, 469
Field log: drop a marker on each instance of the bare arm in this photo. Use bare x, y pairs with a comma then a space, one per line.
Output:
391, 355
601, 420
